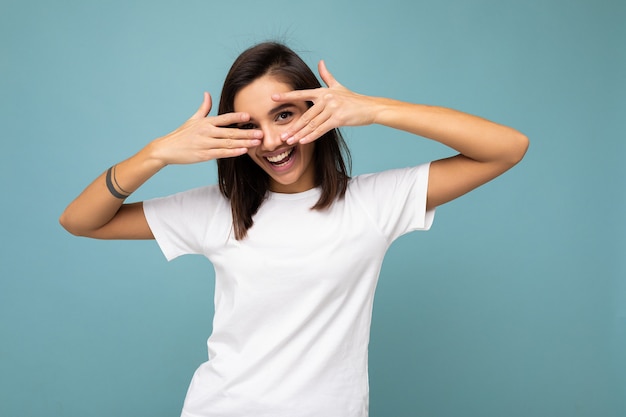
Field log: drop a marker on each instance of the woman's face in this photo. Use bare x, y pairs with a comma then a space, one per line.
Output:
289, 167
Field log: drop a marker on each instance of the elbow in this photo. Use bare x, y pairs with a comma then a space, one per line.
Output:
66, 222
517, 149
67, 225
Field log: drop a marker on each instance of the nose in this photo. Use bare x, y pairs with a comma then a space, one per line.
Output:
271, 139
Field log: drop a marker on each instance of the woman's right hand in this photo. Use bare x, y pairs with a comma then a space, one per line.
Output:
98, 213
203, 138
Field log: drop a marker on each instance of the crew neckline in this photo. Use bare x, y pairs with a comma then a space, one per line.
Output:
316, 191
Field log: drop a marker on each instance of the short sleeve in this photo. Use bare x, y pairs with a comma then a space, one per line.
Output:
396, 199
180, 223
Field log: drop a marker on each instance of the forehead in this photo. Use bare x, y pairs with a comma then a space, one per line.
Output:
257, 96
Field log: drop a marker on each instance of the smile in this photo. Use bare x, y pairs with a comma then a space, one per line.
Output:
281, 159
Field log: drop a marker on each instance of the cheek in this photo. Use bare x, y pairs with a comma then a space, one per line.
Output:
252, 154
286, 126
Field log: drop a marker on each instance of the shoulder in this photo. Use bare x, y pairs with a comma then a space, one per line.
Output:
389, 179
205, 194
183, 222
197, 202
395, 199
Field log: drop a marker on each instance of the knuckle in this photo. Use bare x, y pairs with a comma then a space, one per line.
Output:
210, 130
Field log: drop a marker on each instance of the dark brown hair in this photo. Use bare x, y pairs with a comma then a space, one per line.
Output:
241, 180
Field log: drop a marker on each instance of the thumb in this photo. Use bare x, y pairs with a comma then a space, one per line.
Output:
204, 108
328, 78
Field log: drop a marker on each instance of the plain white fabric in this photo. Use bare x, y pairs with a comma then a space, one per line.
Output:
293, 300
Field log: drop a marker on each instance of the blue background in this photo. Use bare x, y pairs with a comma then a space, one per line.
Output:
514, 304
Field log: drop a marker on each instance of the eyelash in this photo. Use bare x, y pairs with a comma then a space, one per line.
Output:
286, 114
280, 117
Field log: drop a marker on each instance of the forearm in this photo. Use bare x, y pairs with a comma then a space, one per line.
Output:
474, 137
99, 203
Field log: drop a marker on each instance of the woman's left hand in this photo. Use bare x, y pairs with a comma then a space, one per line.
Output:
333, 107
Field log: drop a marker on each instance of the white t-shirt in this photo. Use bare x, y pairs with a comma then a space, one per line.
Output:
293, 300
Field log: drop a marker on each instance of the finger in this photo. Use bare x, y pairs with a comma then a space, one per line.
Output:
327, 77
237, 134
306, 121
230, 144
313, 128
224, 153
204, 108
317, 133
297, 95
231, 153
228, 119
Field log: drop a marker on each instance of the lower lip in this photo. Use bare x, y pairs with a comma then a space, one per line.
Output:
287, 166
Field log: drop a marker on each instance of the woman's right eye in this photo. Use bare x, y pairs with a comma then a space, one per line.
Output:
247, 126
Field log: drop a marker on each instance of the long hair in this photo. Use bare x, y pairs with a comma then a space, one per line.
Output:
241, 180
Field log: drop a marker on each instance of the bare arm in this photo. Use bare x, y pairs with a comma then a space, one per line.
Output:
486, 149
99, 211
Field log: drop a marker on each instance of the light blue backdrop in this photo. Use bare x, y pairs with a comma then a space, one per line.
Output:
512, 305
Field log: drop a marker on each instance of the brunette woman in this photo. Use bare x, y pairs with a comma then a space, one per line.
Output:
297, 244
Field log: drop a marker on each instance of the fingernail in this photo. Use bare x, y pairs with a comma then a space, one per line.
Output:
284, 136
258, 134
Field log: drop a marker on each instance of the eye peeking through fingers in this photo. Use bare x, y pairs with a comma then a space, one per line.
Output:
284, 116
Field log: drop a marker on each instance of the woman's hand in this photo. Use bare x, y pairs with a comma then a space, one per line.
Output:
203, 138
333, 107
99, 213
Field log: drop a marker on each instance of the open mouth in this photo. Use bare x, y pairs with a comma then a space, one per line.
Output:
281, 159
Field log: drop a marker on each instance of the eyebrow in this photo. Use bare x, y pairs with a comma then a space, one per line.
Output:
279, 108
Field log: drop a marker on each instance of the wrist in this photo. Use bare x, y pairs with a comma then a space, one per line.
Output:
152, 157
382, 110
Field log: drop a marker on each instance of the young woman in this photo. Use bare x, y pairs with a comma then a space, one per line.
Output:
297, 244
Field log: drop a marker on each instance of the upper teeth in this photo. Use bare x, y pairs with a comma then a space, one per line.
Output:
279, 157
